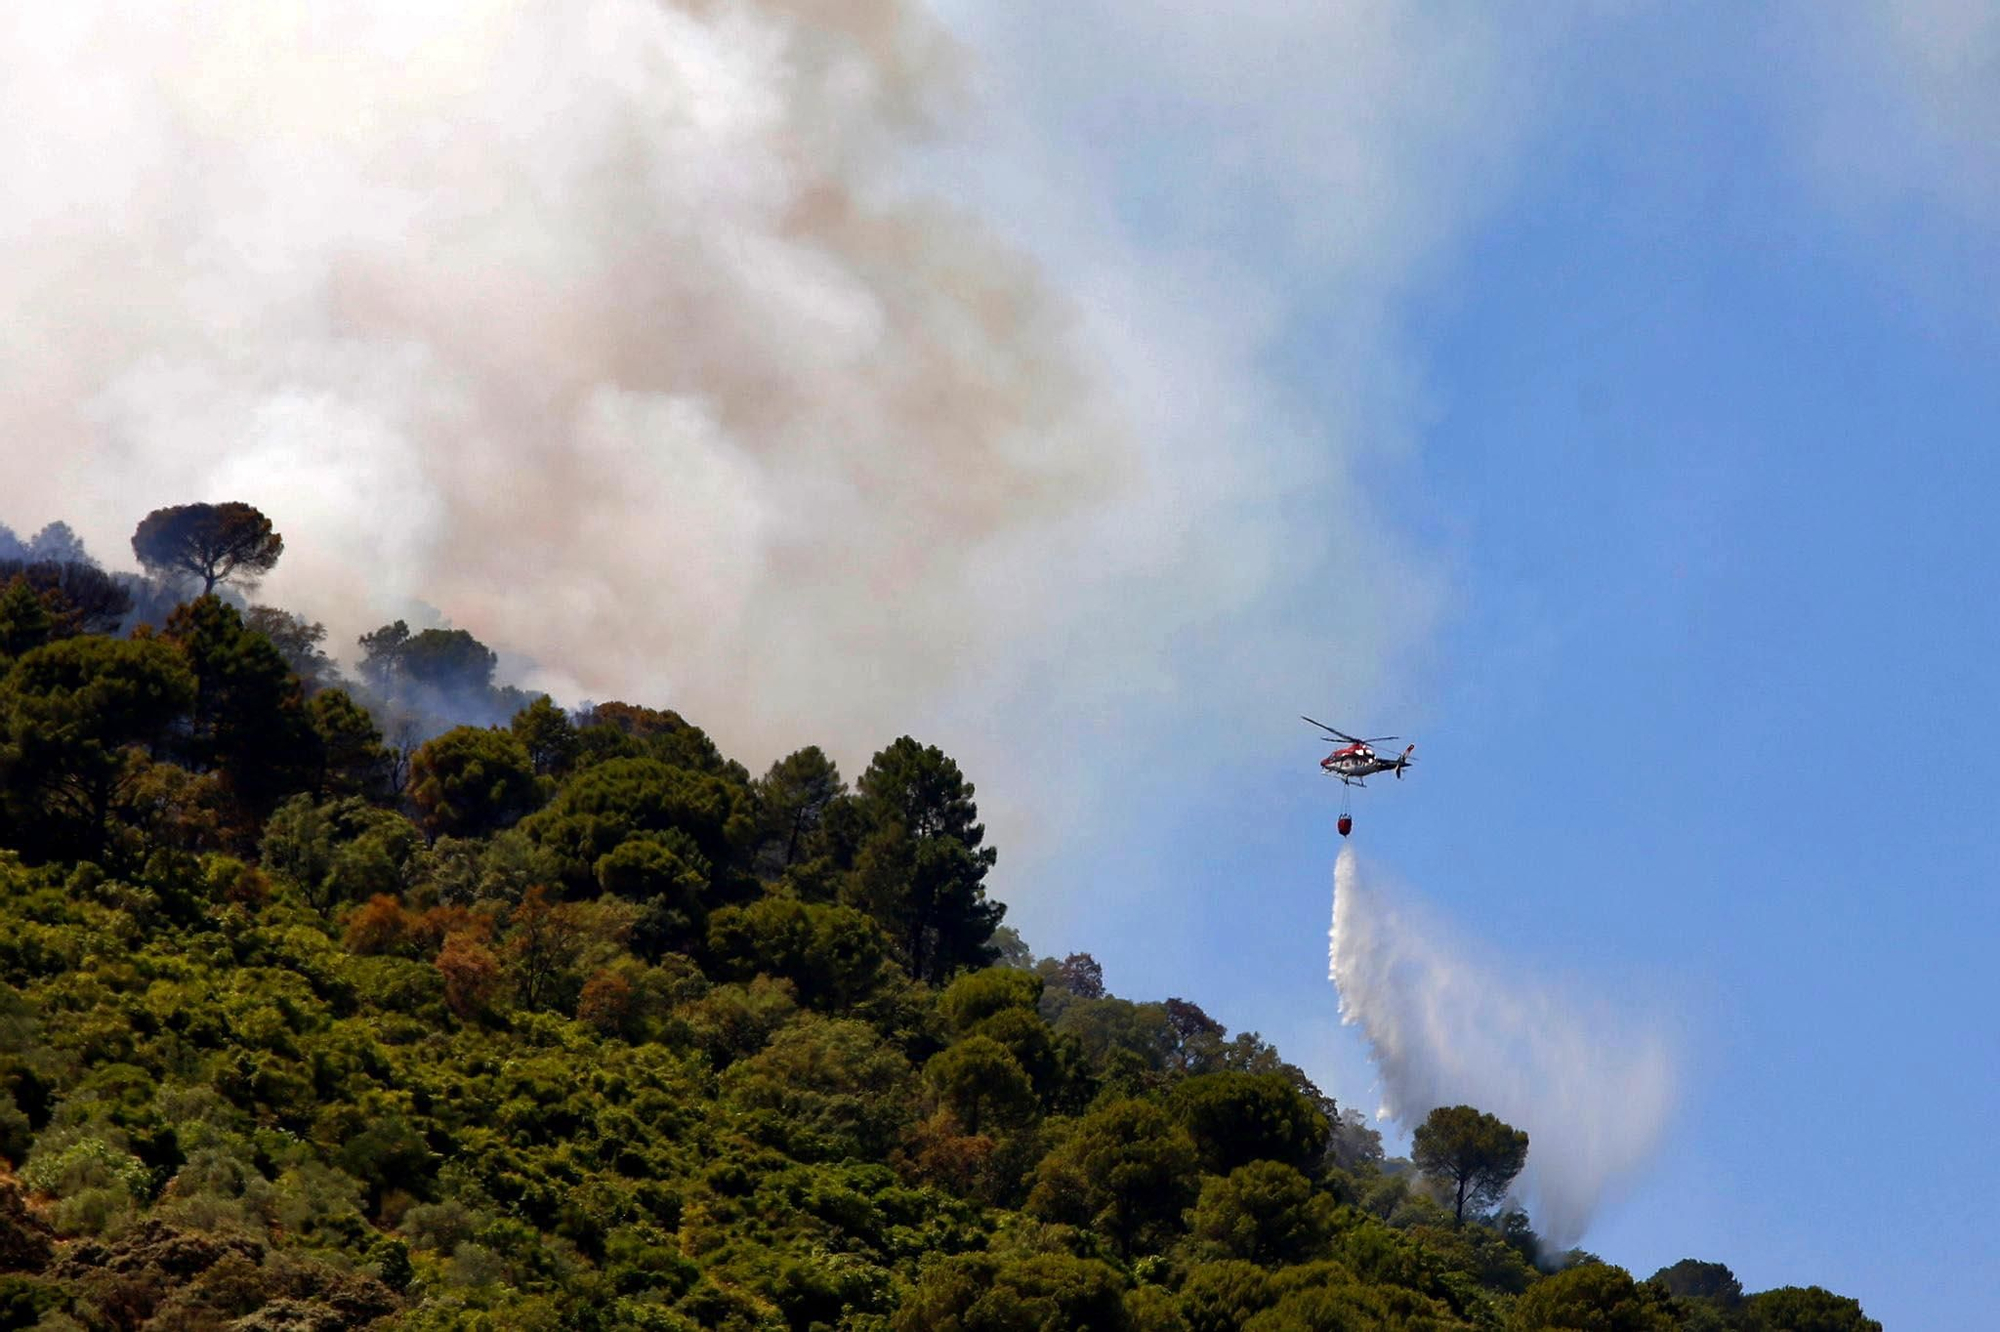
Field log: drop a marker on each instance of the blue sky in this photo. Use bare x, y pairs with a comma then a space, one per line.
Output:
1597, 395
1692, 428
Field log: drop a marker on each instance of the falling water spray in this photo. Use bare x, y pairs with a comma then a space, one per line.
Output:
1592, 1090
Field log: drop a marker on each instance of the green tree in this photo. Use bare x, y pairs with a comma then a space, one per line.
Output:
1079, 974
212, 542
792, 800
1265, 1213
659, 733
386, 1151
470, 781
353, 759
977, 995
979, 1079
1056, 1064
1474, 1152
1002, 1003
1125, 1169
1048, 1292
666, 874
602, 806
73, 716
1237, 1118
833, 1086
834, 955
1806, 1309
1110, 1028
298, 641
1691, 1279
502, 868
1356, 1143
548, 735
667, 865
25, 623
337, 851
1222, 1296
1591, 1297
447, 660
921, 869
382, 655
1324, 1297
80, 598
249, 719
433, 677
1194, 1039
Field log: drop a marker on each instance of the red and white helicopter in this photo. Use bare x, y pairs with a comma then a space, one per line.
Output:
1356, 759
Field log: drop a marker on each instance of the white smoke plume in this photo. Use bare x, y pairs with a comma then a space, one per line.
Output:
590, 323
1593, 1092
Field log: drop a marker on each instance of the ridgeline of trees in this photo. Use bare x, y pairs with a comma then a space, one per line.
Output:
317, 1012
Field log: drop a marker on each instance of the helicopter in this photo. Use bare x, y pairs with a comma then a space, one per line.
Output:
1356, 759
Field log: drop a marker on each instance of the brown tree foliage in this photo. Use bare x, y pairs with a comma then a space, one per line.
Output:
545, 942
430, 930
471, 975
607, 1003
937, 1150
379, 925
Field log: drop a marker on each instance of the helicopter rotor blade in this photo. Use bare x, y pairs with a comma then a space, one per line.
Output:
1350, 739
1330, 730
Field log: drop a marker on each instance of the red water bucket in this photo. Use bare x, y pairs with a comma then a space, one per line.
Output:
1346, 824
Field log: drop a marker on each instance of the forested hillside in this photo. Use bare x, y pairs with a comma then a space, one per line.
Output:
320, 1010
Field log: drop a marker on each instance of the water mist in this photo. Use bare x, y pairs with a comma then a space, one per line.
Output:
1592, 1090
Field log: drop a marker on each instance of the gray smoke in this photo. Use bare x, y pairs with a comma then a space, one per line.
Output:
1593, 1091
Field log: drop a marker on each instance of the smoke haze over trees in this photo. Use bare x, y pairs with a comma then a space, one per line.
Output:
453, 360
